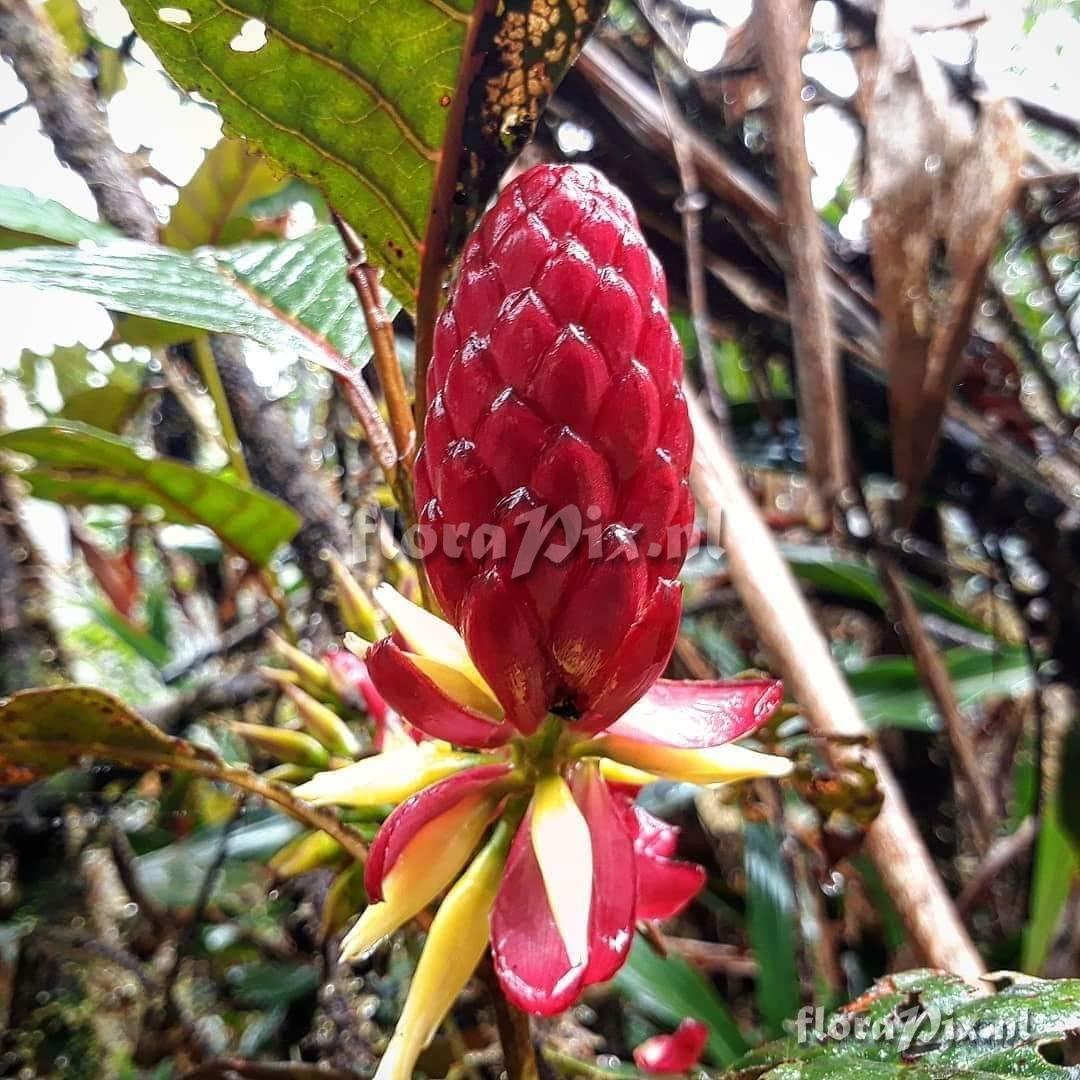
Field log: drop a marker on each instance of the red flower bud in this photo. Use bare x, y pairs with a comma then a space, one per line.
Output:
556, 421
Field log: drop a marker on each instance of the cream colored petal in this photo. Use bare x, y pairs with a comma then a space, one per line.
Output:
423, 870
455, 945
563, 847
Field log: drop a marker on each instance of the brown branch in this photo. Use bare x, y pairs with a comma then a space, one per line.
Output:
1002, 854
781, 34
690, 207
934, 675
228, 1068
770, 594
365, 280
515, 1030
70, 116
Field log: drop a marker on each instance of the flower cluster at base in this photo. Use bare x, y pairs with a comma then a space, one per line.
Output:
538, 838
531, 719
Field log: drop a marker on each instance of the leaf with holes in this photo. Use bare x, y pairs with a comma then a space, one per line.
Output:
44, 731
927, 1025
212, 207
78, 465
293, 295
404, 112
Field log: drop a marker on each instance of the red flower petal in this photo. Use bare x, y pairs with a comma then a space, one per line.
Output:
611, 923
425, 705
664, 886
414, 813
526, 948
503, 639
677, 1053
639, 660
697, 714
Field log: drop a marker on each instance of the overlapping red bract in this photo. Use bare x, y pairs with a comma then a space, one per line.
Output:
666, 1055
555, 383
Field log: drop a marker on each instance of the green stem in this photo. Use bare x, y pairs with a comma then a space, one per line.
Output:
208, 369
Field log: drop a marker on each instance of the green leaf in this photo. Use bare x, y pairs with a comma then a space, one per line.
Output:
25, 217
78, 465
926, 1025
45, 731
66, 17
106, 407
1052, 882
890, 694
669, 990
174, 874
842, 575
211, 206
293, 296
266, 983
770, 903
134, 637
377, 105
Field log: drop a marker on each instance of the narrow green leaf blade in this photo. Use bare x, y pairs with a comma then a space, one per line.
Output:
771, 924
669, 990
78, 465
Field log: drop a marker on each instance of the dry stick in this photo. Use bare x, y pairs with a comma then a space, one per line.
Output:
771, 596
821, 391
781, 34
365, 280
690, 206
515, 1030
935, 677
1004, 852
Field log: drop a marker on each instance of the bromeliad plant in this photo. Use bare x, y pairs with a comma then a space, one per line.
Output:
554, 512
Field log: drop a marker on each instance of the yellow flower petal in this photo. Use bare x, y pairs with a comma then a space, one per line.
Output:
358, 613
385, 778
618, 773
431, 861
322, 723
462, 688
308, 851
455, 945
714, 765
428, 635
295, 747
563, 847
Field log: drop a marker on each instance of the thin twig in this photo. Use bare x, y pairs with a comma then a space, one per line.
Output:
781, 26
1002, 853
227, 1068
771, 596
365, 280
934, 675
691, 205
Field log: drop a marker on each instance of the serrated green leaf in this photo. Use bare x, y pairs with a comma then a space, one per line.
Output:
211, 206
378, 105
293, 295
45, 731
669, 990
926, 1025
78, 465
26, 218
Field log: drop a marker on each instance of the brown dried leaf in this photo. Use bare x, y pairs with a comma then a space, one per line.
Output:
941, 179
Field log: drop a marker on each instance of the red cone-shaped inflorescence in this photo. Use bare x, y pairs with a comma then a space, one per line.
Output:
556, 453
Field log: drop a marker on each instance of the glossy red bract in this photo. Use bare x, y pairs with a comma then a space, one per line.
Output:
557, 420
